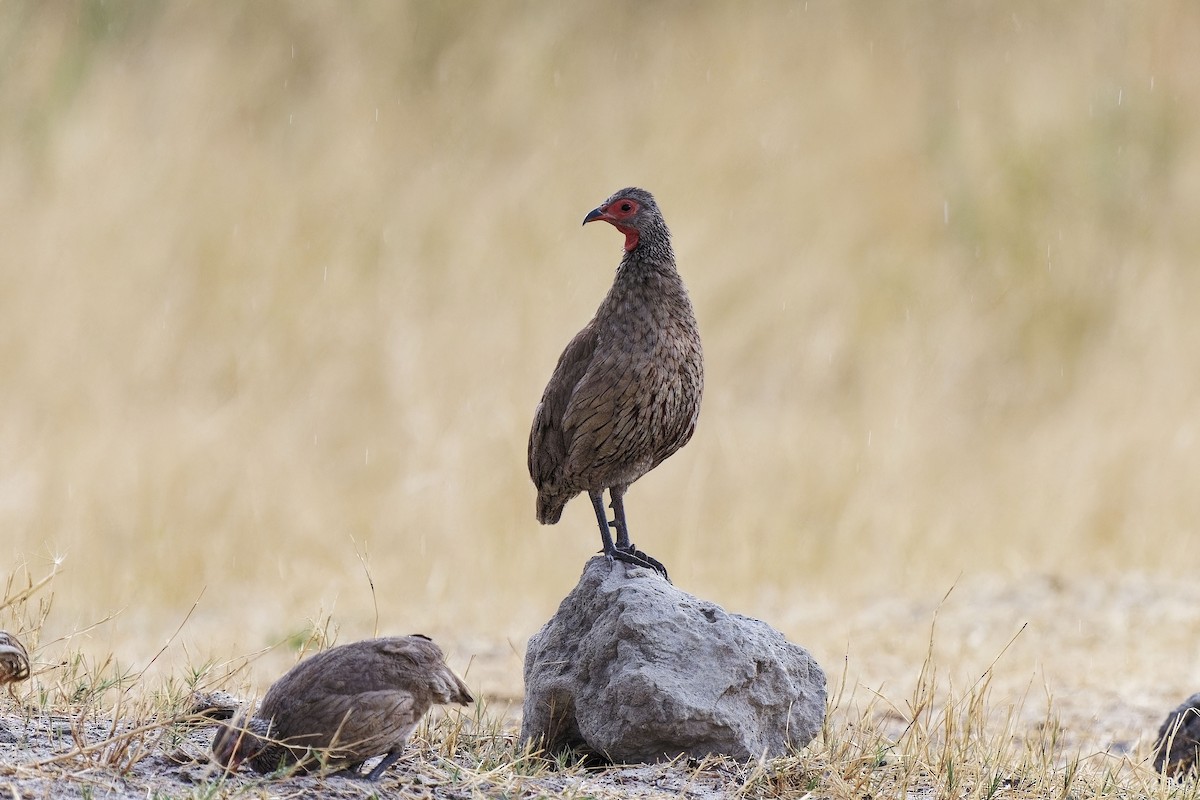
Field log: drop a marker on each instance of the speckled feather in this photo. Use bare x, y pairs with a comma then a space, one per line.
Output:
14, 660
357, 701
625, 394
1177, 746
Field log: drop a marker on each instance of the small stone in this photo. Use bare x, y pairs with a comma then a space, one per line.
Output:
631, 669
215, 706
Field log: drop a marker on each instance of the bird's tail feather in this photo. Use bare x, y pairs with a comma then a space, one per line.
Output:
550, 507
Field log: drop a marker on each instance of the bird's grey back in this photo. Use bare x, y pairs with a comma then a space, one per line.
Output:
409, 663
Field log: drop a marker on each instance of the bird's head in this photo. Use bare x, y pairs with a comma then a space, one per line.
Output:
633, 212
238, 740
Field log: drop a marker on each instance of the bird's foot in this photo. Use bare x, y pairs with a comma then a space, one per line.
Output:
631, 555
354, 771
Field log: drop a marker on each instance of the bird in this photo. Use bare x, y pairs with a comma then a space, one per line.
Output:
625, 393
14, 662
1177, 746
343, 706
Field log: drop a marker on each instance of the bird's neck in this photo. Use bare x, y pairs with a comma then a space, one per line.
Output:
647, 290
269, 759
652, 262
268, 755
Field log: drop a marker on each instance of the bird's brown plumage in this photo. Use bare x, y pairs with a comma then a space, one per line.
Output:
625, 394
348, 704
14, 661
1177, 746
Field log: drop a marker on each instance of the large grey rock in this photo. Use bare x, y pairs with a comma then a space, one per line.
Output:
631, 669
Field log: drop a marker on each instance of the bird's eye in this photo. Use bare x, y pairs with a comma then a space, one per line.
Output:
626, 207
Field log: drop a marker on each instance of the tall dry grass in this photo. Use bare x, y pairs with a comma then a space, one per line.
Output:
281, 285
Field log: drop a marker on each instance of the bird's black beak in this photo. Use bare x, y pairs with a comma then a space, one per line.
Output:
593, 215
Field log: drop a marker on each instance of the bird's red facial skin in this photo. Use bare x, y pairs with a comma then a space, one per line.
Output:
616, 212
621, 209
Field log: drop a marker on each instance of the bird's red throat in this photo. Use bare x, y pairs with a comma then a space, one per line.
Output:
631, 236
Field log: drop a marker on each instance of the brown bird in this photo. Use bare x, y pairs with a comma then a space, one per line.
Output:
14, 662
343, 706
1177, 746
626, 392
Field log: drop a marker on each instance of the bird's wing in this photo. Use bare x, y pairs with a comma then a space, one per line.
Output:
447, 687
549, 440
419, 665
604, 423
631, 411
355, 726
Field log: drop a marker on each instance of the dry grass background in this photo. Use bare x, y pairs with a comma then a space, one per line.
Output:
281, 285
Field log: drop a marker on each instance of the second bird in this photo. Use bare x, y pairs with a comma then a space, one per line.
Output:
626, 392
14, 662
346, 704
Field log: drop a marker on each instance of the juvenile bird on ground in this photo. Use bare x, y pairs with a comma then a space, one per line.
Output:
626, 392
14, 662
343, 706
1177, 746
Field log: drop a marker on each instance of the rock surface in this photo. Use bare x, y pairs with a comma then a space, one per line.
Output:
631, 669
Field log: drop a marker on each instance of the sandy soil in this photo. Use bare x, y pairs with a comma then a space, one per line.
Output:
1092, 664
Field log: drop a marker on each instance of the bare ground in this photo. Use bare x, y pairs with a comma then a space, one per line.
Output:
43, 760
1023, 687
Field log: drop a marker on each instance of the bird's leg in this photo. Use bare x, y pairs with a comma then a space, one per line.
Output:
388, 760
349, 771
625, 551
617, 493
602, 519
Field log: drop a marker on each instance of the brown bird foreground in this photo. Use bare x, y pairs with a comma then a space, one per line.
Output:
625, 394
343, 706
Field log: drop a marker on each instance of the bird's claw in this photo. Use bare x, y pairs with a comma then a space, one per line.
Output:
631, 555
